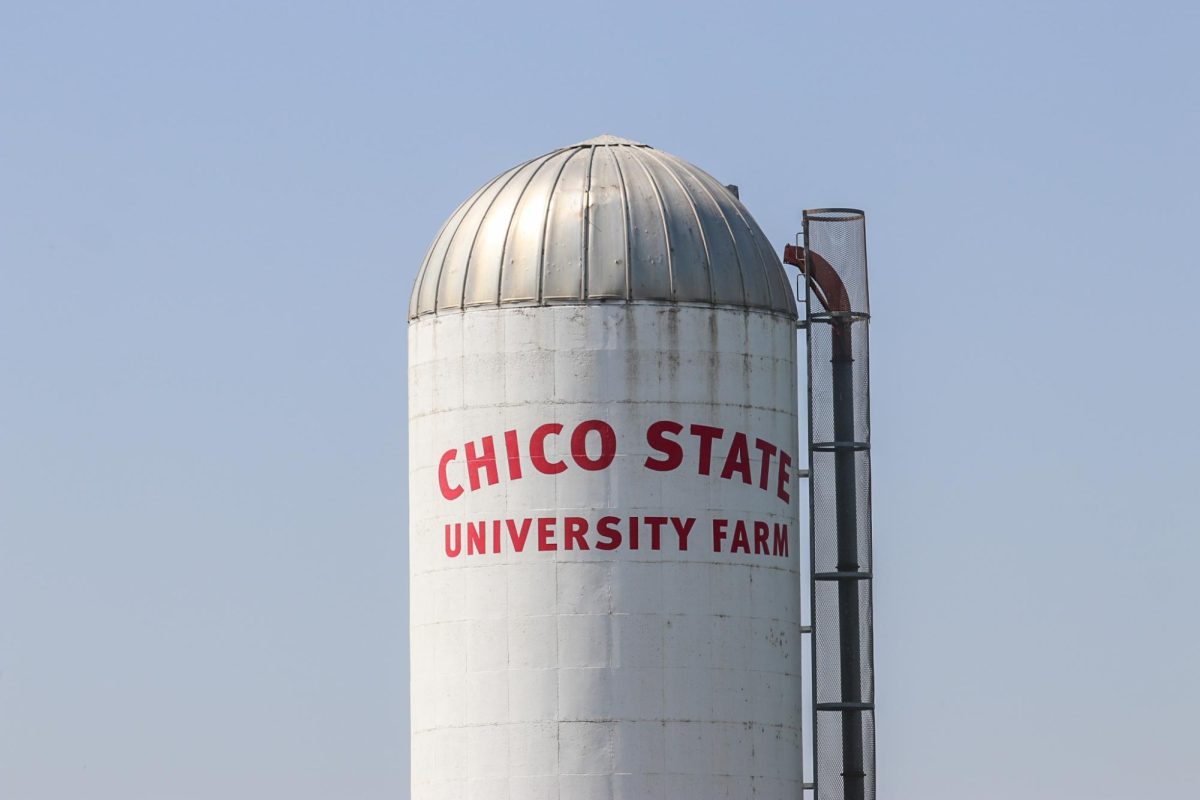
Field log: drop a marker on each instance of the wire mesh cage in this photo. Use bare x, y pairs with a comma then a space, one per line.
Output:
838, 312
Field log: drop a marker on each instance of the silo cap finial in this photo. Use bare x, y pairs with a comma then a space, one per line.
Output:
608, 138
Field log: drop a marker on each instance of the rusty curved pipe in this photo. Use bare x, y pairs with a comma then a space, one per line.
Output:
827, 284
830, 290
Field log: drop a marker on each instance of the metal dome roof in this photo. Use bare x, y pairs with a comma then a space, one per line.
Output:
606, 220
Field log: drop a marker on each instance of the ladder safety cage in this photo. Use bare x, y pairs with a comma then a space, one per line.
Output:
837, 312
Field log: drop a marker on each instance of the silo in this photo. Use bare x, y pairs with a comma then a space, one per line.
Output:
604, 526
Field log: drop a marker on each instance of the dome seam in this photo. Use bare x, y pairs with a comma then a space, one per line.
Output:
708, 263
541, 270
512, 174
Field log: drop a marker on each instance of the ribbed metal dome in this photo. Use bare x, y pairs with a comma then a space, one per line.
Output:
606, 220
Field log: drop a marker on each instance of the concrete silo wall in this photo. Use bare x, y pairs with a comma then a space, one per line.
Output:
604, 542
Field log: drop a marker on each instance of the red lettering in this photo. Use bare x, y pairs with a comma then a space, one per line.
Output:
546, 533
656, 437
741, 541
719, 533
576, 527
513, 448
611, 533
486, 462
656, 524
449, 492
762, 531
608, 444
768, 450
452, 550
537, 449
738, 459
707, 434
682, 529
476, 538
781, 540
518, 539
781, 488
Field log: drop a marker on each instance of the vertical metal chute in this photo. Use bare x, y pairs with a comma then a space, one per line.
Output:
834, 261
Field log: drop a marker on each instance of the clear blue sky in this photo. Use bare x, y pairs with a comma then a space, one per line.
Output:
211, 214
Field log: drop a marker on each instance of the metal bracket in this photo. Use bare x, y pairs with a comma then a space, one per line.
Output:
829, 316
833, 447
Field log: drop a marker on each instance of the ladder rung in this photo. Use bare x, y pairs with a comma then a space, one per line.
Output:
855, 706
842, 576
